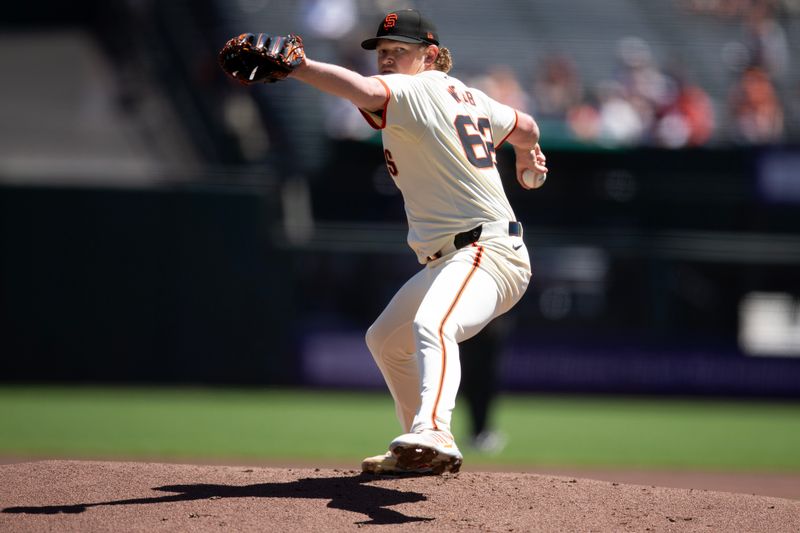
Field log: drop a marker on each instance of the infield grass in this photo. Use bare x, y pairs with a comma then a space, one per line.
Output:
286, 425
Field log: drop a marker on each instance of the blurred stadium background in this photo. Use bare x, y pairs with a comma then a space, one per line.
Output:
161, 224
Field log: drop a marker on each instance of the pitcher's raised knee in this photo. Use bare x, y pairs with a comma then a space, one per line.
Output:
374, 340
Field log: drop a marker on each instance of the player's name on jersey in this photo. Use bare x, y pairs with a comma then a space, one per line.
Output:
464, 96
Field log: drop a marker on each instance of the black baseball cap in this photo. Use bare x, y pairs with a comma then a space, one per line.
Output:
406, 26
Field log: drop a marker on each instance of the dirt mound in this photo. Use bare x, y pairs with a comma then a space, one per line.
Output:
126, 496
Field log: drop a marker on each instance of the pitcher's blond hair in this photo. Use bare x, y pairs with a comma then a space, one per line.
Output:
444, 61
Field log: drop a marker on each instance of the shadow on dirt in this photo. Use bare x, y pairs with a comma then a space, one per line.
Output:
346, 493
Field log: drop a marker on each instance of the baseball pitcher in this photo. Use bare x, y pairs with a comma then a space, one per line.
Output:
440, 139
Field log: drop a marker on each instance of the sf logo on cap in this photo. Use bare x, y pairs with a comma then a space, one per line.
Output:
389, 21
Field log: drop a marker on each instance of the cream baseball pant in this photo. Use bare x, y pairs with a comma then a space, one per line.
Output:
415, 339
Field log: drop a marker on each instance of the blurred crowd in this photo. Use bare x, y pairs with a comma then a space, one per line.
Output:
644, 101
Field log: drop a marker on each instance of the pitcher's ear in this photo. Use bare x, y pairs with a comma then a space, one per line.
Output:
431, 53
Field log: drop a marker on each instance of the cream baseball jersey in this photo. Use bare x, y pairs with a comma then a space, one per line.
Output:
439, 140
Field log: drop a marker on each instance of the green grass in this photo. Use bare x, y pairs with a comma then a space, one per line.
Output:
191, 422
286, 425
647, 433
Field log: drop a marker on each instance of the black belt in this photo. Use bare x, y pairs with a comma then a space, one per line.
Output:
466, 238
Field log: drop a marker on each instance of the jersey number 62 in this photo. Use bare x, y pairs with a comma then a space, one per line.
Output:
475, 138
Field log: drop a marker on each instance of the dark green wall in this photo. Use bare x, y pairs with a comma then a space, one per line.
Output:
178, 285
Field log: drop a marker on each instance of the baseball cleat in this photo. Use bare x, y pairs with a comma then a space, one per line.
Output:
409, 462
429, 451
380, 464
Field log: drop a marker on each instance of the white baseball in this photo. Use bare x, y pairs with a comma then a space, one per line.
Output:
531, 180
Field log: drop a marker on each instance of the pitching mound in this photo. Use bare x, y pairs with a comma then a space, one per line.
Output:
110, 496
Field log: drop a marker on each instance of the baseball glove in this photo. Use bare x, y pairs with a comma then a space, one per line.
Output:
261, 58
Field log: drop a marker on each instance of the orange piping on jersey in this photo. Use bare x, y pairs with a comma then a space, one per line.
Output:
368, 117
475, 266
516, 121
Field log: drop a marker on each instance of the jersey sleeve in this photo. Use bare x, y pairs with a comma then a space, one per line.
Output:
405, 104
377, 119
503, 119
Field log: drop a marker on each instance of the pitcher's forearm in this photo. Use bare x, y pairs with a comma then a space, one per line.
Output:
366, 93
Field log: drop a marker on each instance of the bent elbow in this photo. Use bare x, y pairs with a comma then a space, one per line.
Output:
535, 132
526, 134
531, 129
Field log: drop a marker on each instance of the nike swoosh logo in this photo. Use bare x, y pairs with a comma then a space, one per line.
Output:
517, 247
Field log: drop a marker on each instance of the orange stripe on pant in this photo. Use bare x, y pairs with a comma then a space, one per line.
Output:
475, 266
